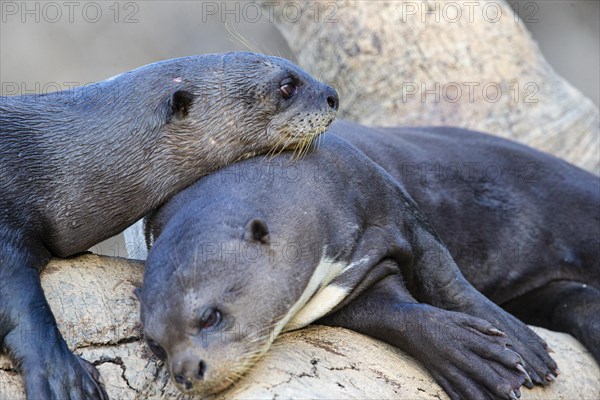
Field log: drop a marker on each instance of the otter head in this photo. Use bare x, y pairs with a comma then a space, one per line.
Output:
216, 293
237, 105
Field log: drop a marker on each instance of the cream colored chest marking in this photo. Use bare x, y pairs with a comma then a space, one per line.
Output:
324, 295
322, 302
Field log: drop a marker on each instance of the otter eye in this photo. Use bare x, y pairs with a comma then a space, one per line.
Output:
211, 318
288, 88
157, 350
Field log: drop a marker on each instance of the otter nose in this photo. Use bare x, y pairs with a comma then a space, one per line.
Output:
333, 101
187, 372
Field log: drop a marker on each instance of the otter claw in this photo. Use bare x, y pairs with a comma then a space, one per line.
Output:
496, 332
550, 377
513, 396
520, 368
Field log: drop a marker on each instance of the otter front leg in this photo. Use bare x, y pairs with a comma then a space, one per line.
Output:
467, 356
434, 278
29, 333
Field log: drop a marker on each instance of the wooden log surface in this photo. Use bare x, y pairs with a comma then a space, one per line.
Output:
92, 299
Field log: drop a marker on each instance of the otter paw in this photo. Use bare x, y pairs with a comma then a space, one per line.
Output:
470, 358
66, 376
542, 369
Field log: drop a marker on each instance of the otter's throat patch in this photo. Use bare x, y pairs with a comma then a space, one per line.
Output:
319, 297
319, 305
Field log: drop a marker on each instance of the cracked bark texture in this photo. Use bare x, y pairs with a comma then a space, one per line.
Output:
432, 63
92, 299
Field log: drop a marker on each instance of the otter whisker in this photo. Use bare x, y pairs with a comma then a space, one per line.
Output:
309, 145
285, 145
275, 149
242, 40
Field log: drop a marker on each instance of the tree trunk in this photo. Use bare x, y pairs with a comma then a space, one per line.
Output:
432, 63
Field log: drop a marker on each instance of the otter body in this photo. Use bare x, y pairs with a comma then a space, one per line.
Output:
522, 225
333, 239
77, 167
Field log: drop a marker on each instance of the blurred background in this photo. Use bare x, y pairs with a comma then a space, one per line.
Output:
55, 45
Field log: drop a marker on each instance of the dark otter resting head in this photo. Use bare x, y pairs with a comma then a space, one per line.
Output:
248, 104
79, 166
209, 334
213, 299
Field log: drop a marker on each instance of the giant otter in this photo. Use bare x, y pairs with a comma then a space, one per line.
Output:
339, 238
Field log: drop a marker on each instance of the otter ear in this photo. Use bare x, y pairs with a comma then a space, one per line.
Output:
181, 101
257, 231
